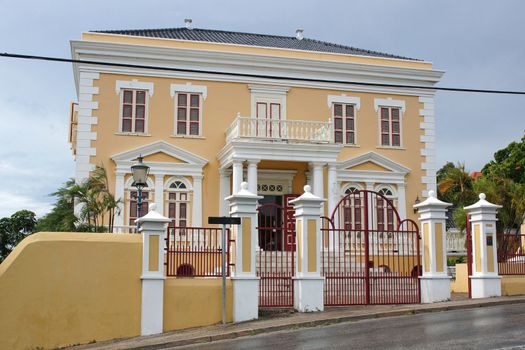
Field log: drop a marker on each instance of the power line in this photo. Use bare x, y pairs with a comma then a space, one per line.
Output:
129, 65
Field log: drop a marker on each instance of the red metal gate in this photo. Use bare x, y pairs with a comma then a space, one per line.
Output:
369, 255
275, 259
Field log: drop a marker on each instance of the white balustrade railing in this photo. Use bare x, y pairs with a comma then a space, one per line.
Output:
270, 129
456, 242
124, 229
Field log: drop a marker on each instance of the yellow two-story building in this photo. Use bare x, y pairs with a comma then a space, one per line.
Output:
208, 109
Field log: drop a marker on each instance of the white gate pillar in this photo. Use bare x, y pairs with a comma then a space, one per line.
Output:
308, 283
153, 228
243, 204
485, 281
435, 282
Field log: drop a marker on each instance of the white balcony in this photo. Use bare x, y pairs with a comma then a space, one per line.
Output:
280, 130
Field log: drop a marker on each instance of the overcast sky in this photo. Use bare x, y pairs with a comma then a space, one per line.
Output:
479, 44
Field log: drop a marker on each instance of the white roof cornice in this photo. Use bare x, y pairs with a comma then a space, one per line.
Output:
254, 64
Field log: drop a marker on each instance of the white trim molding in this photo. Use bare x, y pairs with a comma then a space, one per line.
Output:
268, 94
375, 158
133, 84
192, 167
388, 102
189, 88
428, 139
351, 100
86, 119
393, 176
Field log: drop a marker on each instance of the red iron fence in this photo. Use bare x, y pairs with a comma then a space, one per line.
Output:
511, 254
196, 252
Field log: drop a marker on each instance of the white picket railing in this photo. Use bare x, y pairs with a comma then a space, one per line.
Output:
456, 242
269, 129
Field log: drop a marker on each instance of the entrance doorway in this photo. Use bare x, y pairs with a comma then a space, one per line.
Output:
276, 256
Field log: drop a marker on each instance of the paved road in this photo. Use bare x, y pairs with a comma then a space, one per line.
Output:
498, 327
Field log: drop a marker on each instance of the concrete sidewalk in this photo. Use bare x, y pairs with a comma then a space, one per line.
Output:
277, 321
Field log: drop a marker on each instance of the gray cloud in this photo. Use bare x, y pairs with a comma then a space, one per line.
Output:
479, 44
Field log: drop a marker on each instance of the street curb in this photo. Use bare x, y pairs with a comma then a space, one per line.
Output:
229, 335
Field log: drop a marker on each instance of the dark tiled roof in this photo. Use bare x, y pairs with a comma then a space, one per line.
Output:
219, 36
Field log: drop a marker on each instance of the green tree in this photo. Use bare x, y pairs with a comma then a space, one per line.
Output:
14, 229
61, 218
508, 163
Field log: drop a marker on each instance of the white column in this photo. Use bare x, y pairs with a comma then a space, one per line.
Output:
243, 204
224, 191
237, 175
333, 190
153, 231
485, 281
401, 201
317, 179
252, 175
308, 283
435, 282
119, 194
159, 192
196, 212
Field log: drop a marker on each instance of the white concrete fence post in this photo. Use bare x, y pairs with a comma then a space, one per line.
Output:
243, 204
485, 281
435, 282
153, 229
308, 283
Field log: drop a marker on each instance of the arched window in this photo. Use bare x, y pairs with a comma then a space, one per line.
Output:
385, 216
352, 207
178, 192
132, 200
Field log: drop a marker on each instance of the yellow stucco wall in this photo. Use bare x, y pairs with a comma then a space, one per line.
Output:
224, 100
460, 285
59, 289
193, 302
512, 285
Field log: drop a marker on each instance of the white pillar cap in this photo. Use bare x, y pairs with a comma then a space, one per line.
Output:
432, 202
482, 204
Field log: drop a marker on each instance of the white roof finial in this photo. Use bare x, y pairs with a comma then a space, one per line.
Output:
299, 34
153, 207
244, 185
188, 23
482, 196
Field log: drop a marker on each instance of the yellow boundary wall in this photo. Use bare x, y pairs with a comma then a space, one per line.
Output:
510, 285
59, 289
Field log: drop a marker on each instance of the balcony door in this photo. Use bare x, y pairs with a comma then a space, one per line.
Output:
268, 114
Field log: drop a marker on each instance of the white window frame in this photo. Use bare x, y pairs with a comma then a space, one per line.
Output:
189, 199
390, 103
134, 85
268, 94
188, 89
345, 100
348, 185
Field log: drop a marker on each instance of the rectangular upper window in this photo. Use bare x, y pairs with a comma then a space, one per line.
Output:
390, 119
344, 123
133, 111
188, 114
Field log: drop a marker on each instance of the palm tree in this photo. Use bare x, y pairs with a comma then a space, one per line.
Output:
456, 185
